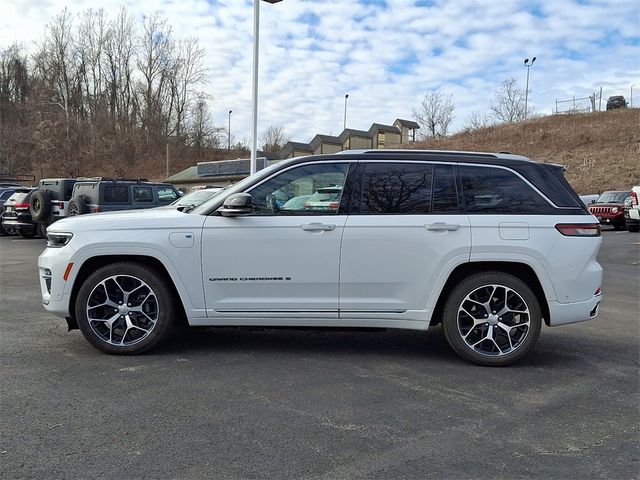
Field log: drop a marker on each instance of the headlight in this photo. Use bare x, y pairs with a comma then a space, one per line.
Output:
58, 239
614, 210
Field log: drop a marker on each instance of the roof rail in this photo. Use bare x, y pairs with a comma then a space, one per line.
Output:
409, 151
110, 179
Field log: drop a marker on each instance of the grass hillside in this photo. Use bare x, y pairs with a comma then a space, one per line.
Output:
601, 150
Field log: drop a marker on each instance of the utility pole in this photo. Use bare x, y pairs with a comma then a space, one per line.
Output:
345, 111
229, 133
526, 91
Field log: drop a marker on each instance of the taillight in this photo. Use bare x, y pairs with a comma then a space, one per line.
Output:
598, 292
307, 205
60, 205
579, 229
334, 205
634, 197
21, 205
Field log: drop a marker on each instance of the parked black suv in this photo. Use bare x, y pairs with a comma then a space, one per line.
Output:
16, 214
616, 101
107, 195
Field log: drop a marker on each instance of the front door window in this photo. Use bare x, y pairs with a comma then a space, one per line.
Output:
306, 190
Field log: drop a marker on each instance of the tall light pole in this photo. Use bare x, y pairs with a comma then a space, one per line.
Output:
229, 133
345, 111
254, 113
526, 91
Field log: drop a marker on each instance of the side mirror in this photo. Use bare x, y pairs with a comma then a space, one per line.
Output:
236, 205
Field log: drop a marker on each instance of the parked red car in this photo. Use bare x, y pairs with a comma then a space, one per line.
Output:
609, 208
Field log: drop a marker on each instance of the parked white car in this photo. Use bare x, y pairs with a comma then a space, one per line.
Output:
632, 212
489, 245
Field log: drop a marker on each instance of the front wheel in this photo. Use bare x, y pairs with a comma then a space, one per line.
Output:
124, 308
634, 227
492, 319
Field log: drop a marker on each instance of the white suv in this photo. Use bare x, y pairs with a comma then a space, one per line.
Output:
489, 245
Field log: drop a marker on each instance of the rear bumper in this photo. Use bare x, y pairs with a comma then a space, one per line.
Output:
564, 313
16, 223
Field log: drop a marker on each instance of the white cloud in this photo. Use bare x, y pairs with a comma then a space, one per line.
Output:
464, 47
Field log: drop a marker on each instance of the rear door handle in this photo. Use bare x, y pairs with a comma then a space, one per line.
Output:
440, 226
315, 227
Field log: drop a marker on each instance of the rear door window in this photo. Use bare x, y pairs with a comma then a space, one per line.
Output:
497, 191
396, 189
445, 194
142, 194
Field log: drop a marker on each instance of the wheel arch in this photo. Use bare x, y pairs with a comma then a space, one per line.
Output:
93, 263
520, 270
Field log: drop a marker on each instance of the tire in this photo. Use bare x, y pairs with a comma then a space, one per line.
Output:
42, 230
634, 227
40, 206
27, 232
620, 225
465, 311
77, 206
121, 337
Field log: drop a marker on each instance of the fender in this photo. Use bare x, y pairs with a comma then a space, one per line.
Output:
192, 299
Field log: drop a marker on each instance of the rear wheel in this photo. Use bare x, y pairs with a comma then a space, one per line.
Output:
125, 308
77, 206
634, 227
42, 230
27, 232
492, 318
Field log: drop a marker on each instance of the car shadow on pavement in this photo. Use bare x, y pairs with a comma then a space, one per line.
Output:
293, 341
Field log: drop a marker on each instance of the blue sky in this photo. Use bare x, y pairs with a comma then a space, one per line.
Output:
385, 54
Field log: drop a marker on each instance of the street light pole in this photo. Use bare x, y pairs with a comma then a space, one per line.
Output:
345, 111
254, 113
526, 91
229, 133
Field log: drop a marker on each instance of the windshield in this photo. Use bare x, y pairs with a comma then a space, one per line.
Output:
613, 197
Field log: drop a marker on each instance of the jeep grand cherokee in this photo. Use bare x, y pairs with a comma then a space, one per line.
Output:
489, 245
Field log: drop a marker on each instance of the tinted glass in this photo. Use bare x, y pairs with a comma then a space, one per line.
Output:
116, 194
142, 194
445, 195
306, 190
493, 190
396, 188
167, 194
6, 194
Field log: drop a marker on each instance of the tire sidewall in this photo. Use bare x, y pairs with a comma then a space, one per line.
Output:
457, 295
163, 295
43, 200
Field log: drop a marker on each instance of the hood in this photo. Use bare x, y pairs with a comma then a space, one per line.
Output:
153, 218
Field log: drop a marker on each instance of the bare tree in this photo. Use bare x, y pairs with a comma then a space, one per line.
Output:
434, 114
508, 105
274, 139
475, 121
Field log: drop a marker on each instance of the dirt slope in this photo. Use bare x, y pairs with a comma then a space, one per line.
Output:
601, 150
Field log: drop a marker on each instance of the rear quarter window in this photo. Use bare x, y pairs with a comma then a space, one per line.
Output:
496, 191
116, 194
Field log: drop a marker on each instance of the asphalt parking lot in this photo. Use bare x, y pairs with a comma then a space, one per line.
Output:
224, 403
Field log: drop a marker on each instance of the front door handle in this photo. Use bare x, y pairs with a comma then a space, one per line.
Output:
316, 227
440, 226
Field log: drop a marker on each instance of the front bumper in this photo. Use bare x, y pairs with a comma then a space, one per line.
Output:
564, 313
55, 291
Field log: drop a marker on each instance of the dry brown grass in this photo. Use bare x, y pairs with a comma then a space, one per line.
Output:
601, 150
